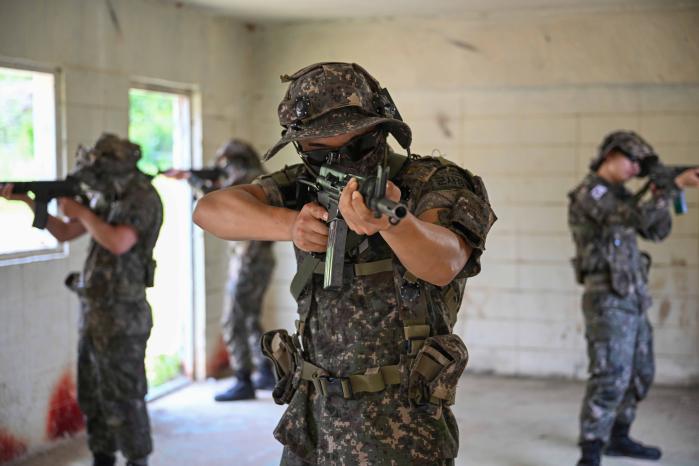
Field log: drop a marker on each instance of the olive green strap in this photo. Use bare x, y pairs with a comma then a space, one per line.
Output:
363, 269
372, 380
415, 336
303, 275
598, 281
375, 379
395, 163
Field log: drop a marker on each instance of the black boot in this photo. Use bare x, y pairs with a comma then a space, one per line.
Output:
620, 444
265, 377
591, 453
242, 390
103, 459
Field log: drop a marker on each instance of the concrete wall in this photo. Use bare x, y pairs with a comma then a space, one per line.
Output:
524, 100
98, 61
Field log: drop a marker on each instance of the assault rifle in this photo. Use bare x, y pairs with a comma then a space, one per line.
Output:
328, 186
44, 191
662, 175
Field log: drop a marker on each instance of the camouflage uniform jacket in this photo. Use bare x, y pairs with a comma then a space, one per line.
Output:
108, 277
605, 220
361, 326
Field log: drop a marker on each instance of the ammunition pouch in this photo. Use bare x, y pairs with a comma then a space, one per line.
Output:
279, 347
436, 370
646, 262
74, 283
149, 278
577, 269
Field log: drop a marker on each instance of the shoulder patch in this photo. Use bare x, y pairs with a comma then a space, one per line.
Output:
448, 178
598, 191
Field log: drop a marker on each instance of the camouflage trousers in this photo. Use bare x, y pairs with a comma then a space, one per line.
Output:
248, 278
112, 378
620, 350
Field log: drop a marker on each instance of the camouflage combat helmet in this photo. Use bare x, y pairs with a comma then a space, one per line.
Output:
237, 155
631, 145
332, 98
111, 158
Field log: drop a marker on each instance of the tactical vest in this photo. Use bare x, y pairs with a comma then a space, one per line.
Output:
425, 356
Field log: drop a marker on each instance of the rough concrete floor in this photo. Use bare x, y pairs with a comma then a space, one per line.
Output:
503, 422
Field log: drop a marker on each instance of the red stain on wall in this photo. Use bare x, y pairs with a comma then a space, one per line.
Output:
64, 416
10, 446
218, 363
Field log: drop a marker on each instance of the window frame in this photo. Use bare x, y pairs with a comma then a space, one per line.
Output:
61, 251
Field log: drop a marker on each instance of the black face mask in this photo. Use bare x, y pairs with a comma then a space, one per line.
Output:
354, 150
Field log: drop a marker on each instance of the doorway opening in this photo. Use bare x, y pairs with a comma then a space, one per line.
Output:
160, 121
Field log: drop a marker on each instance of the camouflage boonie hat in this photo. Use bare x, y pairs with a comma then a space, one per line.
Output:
631, 145
110, 154
238, 153
332, 98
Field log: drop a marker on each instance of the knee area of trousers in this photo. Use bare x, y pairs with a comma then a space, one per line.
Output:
123, 412
611, 393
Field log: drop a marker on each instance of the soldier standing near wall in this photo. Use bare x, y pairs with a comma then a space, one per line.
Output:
373, 369
123, 219
250, 269
605, 219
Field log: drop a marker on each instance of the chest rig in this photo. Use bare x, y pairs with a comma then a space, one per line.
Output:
412, 298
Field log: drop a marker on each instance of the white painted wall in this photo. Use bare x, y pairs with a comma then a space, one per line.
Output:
523, 100
157, 41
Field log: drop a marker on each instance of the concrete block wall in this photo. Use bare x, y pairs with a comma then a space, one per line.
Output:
98, 60
524, 100
521, 99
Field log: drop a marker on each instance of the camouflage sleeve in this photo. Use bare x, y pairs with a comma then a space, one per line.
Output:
137, 210
651, 219
280, 187
271, 189
464, 209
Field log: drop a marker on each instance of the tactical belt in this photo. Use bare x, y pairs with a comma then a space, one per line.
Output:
360, 270
601, 281
372, 380
429, 365
312, 265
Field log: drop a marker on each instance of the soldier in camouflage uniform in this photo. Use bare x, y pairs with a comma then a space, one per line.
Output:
123, 219
250, 267
605, 219
372, 371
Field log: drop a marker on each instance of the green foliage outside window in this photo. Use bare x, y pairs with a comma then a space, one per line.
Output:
16, 125
151, 125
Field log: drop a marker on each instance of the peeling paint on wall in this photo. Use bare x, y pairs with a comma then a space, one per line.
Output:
64, 416
219, 362
10, 446
665, 309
